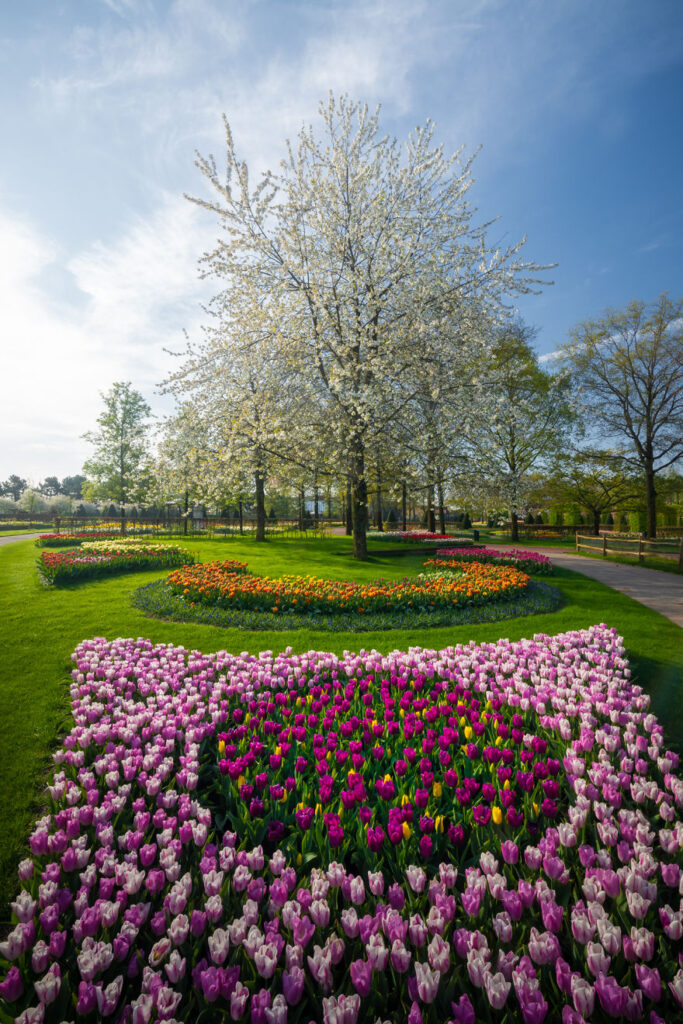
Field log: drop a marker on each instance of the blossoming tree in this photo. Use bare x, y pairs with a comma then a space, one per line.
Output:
350, 255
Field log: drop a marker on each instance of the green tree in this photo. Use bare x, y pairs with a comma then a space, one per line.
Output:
13, 487
50, 487
118, 470
627, 366
595, 486
72, 485
523, 423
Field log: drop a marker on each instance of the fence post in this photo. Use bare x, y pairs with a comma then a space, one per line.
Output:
576, 540
640, 551
604, 545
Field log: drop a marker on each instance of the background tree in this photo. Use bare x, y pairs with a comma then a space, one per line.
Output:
72, 485
594, 486
14, 486
50, 487
32, 501
118, 471
525, 422
179, 468
350, 255
628, 369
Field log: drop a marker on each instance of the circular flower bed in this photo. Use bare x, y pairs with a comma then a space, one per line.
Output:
527, 561
139, 903
158, 601
217, 583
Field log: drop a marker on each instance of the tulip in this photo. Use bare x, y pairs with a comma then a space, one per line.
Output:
427, 982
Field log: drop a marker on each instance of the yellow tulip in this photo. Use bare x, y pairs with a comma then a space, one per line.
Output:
241, 781
405, 799
463, 721
506, 784
497, 815
221, 746
406, 830
318, 809
436, 789
278, 751
298, 859
469, 733
438, 823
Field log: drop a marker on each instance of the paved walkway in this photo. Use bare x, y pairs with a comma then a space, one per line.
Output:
17, 536
661, 591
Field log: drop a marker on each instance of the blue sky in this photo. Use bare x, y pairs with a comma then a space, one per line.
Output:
575, 103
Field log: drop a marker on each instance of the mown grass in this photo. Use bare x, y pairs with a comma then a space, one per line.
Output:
41, 626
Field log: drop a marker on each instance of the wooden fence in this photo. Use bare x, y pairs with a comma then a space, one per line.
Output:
637, 547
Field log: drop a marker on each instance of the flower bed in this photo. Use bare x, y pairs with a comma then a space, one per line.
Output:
158, 601
73, 540
416, 536
63, 567
141, 902
217, 584
527, 561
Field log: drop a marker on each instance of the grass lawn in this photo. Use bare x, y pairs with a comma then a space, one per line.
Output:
40, 627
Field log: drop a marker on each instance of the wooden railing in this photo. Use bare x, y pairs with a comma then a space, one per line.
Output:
638, 547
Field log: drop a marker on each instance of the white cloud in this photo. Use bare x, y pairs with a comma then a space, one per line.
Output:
137, 295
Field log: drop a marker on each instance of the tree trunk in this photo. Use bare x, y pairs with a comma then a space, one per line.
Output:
123, 520
431, 520
302, 504
651, 497
187, 508
316, 510
241, 516
404, 506
515, 525
596, 522
380, 524
359, 502
442, 511
349, 507
260, 505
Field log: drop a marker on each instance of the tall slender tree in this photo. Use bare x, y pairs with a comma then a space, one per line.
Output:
118, 470
526, 421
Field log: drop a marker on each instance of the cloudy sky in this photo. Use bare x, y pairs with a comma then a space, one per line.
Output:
576, 106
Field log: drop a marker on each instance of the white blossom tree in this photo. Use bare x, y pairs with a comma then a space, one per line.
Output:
349, 257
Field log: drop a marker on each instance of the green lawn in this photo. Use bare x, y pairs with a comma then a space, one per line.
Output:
40, 627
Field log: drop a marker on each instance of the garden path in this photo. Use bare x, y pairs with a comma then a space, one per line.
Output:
661, 591
17, 536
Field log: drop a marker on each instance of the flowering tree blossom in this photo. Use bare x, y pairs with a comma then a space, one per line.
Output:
347, 259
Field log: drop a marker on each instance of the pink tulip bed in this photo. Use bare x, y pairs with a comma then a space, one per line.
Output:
485, 833
532, 562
